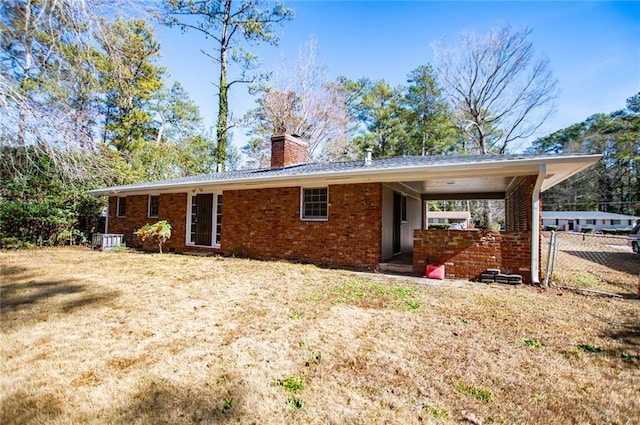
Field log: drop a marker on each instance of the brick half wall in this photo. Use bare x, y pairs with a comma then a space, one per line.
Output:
467, 253
265, 224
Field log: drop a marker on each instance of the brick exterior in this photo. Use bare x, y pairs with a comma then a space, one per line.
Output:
265, 223
172, 208
287, 150
468, 253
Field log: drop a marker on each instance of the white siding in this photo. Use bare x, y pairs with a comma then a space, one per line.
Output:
414, 219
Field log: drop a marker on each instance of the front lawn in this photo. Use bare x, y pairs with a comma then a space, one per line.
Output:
126, 338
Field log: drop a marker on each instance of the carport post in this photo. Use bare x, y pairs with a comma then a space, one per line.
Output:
535, 225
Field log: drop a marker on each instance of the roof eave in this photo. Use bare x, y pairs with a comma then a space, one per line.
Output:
524, 166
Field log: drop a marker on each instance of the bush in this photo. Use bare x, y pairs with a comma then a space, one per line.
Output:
625, 231
39, 205
159, 233
439, 225
586, 229
551, 228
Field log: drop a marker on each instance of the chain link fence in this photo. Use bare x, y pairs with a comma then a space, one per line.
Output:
591, 263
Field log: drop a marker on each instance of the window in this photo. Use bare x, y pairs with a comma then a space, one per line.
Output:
315, 203
591, 221
615, 222
121, 206
403, 208
154, 206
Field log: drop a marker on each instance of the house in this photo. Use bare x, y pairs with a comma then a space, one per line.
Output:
351, 214
461, 219
596, 220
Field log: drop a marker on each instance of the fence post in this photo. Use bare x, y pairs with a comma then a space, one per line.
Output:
549, 259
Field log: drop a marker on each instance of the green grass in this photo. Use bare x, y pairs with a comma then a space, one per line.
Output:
437, 412
589, 348
228, 404
532, 343
295, 403
293, 384
370, 294
479, 393
581, 279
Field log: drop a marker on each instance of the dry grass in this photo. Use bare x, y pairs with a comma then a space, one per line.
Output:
128, 338
598, 262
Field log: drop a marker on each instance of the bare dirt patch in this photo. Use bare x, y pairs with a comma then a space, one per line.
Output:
91, 337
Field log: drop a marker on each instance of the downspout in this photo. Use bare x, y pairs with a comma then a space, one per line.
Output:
535, 225
106, 220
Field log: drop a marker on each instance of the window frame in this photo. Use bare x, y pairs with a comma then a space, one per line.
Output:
120, 204
149, 214
303, 216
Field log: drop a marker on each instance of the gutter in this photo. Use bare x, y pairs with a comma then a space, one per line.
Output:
535, 225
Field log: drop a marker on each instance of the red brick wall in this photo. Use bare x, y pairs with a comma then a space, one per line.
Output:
265, 223
287, 150
171, 208
468, 253
135, 217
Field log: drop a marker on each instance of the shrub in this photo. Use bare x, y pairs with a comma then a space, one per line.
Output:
439, 225
551, 227
586, 229
159, 233
624, 231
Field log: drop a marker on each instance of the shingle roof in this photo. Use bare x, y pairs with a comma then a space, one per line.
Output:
320, 169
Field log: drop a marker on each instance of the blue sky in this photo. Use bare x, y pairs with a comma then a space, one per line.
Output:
593, 47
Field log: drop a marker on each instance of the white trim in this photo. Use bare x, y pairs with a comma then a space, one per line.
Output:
149, 206
118, 207
214, 214
187, 218
302, 218
535, 225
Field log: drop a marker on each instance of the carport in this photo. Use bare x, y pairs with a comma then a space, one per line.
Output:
519, 182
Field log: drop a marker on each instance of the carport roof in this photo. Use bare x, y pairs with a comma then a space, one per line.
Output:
436, 175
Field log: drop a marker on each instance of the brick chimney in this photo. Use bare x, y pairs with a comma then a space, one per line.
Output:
288, 150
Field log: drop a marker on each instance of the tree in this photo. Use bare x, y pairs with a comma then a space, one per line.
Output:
303, 102
129, 78
228, 24
501, 92
613, 185
378, 110
427, 117
48, 93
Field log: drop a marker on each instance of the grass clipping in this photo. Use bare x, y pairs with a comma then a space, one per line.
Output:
93, 337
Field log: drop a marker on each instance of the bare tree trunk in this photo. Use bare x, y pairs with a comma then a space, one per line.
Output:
223, 89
